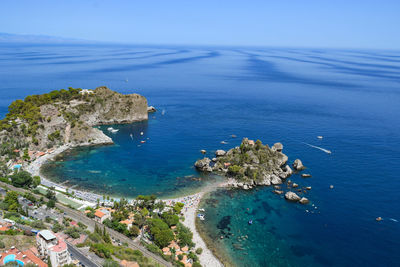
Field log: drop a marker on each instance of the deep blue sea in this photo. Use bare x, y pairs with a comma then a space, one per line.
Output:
206, 94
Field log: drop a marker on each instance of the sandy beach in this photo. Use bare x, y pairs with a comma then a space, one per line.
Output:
190, 211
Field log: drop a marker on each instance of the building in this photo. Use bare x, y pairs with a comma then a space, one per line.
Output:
102, 214
53, 246
21, 257
86, 92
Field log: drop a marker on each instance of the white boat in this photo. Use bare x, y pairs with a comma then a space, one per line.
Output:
319, 137
111, 129
203, 210
141, 133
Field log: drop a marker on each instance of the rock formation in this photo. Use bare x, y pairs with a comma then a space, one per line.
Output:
298, 165
291, 196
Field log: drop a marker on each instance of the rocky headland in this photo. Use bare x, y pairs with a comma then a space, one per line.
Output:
39, 124
254, 164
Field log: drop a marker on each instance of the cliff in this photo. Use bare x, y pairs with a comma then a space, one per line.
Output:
65, 117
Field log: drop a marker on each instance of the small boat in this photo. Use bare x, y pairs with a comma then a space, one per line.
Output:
131, 135
319, 137
141, 133
251, 222
142, 142
111, 129
203, 210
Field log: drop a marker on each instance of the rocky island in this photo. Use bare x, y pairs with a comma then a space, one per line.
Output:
39, 124
253, 164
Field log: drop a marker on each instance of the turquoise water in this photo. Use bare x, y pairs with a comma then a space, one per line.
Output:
350, 97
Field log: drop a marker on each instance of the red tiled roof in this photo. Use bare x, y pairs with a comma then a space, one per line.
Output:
99, 214
30, 257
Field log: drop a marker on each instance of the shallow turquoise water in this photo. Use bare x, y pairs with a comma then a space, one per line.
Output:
289, 95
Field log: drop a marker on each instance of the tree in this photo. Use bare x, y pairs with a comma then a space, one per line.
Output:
184, 235
36, 181
21, 179
106, 236
26, 155
11, 199
178, 207
170, 219
134, 231
51, 194
144, 212
51, 203
163, 238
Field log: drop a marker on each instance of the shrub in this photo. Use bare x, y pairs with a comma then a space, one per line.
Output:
199, 251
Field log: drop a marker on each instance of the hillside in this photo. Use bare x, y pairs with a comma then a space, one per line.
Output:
40, 123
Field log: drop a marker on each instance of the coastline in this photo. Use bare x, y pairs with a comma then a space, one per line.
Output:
89, 198
207, 257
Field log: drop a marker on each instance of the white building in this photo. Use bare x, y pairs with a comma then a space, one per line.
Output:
50, 245
86, 92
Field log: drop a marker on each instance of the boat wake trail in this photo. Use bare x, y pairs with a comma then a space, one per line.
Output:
394, 220
320, 148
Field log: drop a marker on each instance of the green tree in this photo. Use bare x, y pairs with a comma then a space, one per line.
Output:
178, 207
170, 219
50, 194
163, 238
51, 203
134, 231
21, 179
184, 235
36, 181
26, 155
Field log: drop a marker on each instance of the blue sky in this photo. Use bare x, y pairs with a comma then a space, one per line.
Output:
296, 23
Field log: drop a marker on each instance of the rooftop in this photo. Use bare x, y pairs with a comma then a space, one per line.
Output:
47, 235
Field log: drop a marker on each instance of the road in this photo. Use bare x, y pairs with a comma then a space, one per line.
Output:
81, 217
81, 257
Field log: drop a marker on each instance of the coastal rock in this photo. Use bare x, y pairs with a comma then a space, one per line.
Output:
203, 151
151, 109
304, 200
291, 196
298, 165
305, 175
203, 165
245, 187
277, 147
220, 153
308, 187
295, 185
275, 180
278, 192
287, 170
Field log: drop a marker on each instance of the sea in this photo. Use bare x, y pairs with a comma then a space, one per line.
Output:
203, 96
